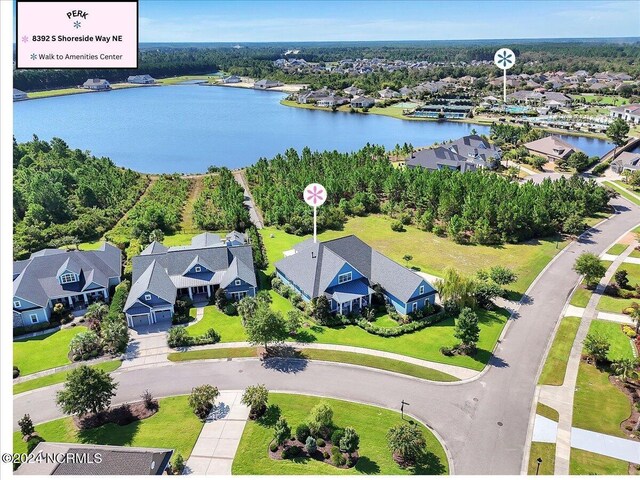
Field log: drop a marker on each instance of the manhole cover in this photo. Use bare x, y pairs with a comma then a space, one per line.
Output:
500, 424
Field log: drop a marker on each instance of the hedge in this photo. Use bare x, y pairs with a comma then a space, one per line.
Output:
116, 309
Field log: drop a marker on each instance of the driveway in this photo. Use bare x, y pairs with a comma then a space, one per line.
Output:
483, 421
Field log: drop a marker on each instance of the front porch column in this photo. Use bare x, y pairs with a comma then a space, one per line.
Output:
208, 290
86, 299
106, 293
190, 293
360, 300
340, 308
152, 317
70, 300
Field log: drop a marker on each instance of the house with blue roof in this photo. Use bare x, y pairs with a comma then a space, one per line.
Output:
163, 274
346, 270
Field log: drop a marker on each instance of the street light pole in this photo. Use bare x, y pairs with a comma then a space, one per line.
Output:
538, 461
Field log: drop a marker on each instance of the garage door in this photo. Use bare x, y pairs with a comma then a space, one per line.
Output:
162, 315
139, 320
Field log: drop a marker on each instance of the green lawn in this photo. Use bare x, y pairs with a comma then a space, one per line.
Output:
174, 426
371, 423
180, 79
556, 364
608, 303
545, 451
54, 378
623, 192
547, 412
602, 99
57, 92
424, 344
617, 249
327, 356
44, 352
620, 344
587, 463
581, 296
431, 254
635, 253
597, 405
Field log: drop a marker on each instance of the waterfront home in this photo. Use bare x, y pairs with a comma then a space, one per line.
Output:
626, 162
353, 91
476, 149
406, 91
388, 93
629, 113
346, 271
331, 101
141, 79
96, 84
553, 148
231, 79
114, 460
363, 102
264, 84
74, 279
163, 274
311, 96
19, 95
441, 158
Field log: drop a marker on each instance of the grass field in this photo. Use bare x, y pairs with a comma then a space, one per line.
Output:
587, 463
44, 352
623, 192
324, 355
556, 364
581, 296
545, 451
424, 344
54, 378
620, 346
547, 412
174, 426
180, 79
617, 249
57, 92
371, 423
608, 303
615, 100
431, 254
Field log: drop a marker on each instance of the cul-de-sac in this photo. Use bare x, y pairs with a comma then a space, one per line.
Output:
286, 246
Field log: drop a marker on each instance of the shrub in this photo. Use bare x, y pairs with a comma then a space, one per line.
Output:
294, 450
311, 445
202, 398
33, 443
178, 464
336, 457
178, 337
350, 440
325, 455
302, 432
16, 372
406, 440
320, 442
597, 347
273, 447
149, 401
118, 301
628, 331
281, 432
26, 425
84, 343
255, 397
212, 336
447, 351
320, 418
621, 278
397, 226
336, 436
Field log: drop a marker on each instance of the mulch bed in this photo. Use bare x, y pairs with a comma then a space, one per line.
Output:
121, 415
318, 455
632, 391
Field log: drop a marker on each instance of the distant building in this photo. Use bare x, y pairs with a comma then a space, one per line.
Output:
96, 84
552, 148
141, 79
440, 158
264, 84
629, 113
388, 93
353, 91
626, 162
19, 95
363, 102
476, 149
331, 101
231, 79
114, 460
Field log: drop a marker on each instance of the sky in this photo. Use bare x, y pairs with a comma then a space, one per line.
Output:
328, 20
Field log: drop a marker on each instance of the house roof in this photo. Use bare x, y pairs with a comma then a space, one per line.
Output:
114, 460
552, 146
434, 158
315, 265
37, 279
154, 279
628, 160
475, 147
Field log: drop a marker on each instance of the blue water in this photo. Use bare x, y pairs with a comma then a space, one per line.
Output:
186, 128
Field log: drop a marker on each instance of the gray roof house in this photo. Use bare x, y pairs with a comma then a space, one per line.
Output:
113, 460
345, 270
630, 113
162, 274
626, 161
466, 154
265, 84
74, 278
362, 102
552, 148
231, 79
96, 84
145, 79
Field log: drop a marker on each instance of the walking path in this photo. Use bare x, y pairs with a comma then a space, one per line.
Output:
254, 213
610, 258
545, 431
220, 437
560, 398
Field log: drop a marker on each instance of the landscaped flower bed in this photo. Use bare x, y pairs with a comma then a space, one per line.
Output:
328, 453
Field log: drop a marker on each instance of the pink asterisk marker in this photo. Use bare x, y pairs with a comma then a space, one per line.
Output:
25, 39
315, 194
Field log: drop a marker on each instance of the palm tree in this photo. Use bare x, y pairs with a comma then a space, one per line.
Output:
625, 369
634, 313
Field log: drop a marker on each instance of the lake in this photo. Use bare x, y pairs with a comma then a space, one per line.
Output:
186, 128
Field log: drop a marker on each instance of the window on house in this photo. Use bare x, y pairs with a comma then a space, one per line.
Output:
415, 306
421, 289
147, 297
238, 295
238, 282
198, 269
34, 318
344, 278
17, 304
67, 278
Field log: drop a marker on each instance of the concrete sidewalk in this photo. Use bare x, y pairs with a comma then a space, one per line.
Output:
220, 437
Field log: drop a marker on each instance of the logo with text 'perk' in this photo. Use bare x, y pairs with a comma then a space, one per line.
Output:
76, 16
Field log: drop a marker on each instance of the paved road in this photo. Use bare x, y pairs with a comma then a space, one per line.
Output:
483, 422
254, 213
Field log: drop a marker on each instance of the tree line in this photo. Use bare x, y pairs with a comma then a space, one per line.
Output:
63, 196
479, 207
220, 204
